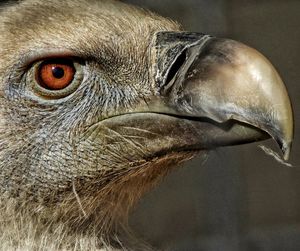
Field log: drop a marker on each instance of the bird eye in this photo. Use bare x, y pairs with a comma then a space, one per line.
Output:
55, 74
57, 77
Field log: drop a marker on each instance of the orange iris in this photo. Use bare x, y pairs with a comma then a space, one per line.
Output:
56, 74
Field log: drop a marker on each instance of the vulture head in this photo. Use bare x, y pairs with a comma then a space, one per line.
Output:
99, 100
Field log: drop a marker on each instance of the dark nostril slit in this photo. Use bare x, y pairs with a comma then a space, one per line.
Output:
176, 66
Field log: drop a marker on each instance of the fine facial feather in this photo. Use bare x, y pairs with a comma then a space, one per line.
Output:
33, 132
115, 77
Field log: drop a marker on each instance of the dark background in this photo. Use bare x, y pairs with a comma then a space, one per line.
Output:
240, 199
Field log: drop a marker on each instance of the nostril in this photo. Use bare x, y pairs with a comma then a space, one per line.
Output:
176, 65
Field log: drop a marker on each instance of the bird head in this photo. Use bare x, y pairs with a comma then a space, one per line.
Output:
100, 99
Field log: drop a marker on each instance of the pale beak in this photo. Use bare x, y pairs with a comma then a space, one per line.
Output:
221, 80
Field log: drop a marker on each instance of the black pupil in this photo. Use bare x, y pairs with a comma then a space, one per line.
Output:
58, 72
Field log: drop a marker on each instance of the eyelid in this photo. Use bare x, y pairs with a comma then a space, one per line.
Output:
30, 57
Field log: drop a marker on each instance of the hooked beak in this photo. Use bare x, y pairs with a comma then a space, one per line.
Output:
221, 82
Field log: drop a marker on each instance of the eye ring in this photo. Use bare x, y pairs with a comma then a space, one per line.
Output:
57, 77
